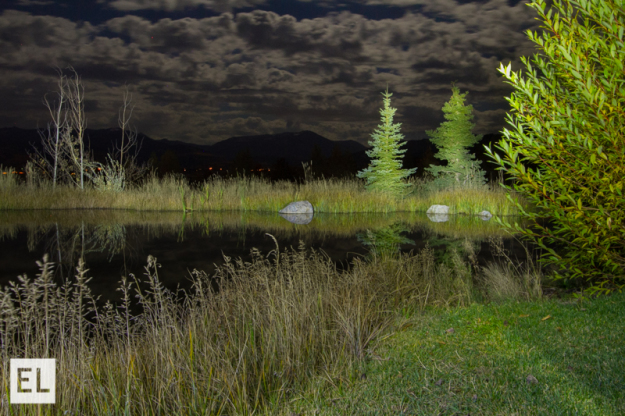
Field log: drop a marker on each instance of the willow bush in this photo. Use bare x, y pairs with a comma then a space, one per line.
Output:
568, 122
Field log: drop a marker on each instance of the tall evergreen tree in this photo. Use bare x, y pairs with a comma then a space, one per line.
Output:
385, 171
453, 138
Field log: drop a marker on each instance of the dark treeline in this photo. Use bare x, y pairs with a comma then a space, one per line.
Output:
323, 157
340, 164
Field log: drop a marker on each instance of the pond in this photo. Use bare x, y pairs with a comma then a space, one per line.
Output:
115, 243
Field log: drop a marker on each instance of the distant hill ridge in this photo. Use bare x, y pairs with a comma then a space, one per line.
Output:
265, 149
295, 147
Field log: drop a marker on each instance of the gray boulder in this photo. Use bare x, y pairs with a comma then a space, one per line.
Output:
298, 207
438, 213
485, 215
438, 209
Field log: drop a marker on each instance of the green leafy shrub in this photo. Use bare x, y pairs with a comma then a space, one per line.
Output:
568, 119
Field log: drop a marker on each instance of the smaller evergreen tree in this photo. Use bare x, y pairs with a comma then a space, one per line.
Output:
452, 139
385, 171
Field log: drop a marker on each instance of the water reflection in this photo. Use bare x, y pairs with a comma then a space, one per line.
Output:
115, 243
444, 247
385, 241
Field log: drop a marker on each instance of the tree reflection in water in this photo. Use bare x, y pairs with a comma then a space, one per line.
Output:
385, 241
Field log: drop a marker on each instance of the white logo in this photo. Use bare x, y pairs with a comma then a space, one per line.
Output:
33, 380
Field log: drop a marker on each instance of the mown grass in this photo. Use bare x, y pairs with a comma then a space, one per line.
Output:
553, 357
173, 193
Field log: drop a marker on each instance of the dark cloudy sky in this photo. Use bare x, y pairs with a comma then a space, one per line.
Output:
205, 70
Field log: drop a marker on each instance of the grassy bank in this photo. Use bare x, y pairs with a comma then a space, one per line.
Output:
250, 194
276, 327
554, 357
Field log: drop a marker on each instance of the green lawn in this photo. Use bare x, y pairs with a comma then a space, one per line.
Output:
478, 361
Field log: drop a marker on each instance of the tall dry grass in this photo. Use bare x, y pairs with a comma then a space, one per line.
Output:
252, 194
274, 324
508, 278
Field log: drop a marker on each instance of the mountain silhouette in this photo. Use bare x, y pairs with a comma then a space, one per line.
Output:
16, 144
266, 150
294, 147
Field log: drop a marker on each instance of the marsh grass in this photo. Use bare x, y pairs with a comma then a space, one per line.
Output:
273, 325
252, 194
507, 279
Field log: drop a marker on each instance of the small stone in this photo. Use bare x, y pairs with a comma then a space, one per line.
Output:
439, 382
531, 379
485, 215
450, 331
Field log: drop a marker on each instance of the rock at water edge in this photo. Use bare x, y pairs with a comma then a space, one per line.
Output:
298, 207
438, 209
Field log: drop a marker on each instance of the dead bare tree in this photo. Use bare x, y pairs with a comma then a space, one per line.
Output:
130, 146
121, 166
77, 124
65, 154
123, 120
48, 158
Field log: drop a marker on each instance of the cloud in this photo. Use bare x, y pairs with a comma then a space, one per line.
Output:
336, 36
207, 79
171, 5
169, 36
27, 40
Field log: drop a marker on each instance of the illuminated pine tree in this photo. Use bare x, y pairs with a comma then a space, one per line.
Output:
453, 138
385, 171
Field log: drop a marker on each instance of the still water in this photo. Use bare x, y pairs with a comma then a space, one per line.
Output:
115, 243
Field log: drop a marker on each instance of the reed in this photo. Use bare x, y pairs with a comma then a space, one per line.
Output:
173, 193
269, 329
